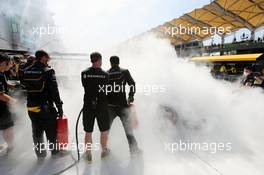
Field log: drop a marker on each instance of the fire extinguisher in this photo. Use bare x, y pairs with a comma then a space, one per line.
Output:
62, 132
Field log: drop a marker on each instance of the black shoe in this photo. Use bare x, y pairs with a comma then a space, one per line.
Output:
41, 160
60, 154
10, 149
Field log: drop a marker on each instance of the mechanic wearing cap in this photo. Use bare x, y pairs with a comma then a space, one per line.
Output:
42, 92
118, 103
95, 81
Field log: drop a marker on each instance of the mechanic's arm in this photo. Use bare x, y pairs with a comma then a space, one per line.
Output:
13, 85
82, 78
21, 75
53, 89
13, 74
132, 86
6, 98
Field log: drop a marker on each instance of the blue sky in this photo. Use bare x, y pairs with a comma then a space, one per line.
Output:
105, 23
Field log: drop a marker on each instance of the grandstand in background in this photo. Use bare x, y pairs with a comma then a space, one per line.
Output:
244, 20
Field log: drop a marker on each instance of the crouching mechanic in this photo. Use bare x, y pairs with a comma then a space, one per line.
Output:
42, 92
6, 121
95, 105
118, 104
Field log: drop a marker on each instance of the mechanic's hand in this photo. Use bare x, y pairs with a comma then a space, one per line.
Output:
17, 84
60, 112
13, 101
130, 100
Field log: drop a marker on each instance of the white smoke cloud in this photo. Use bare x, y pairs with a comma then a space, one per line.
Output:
209, 110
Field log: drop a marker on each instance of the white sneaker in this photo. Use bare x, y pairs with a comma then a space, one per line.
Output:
87, 157
105, 153
3, 149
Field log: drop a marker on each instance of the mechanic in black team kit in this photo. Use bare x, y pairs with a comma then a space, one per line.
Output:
118, 104
42, 92
6, 121
94, 81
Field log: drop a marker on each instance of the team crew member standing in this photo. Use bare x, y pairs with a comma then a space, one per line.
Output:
6, 122
42, 93
94, 79
118, 104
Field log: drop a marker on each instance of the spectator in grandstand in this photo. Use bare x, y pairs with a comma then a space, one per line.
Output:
234, 40
258, 81
223, 69
232, 70
213, 71
252, 36
244, 37
248, 77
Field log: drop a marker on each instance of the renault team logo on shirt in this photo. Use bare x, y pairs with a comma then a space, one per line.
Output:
93, 76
